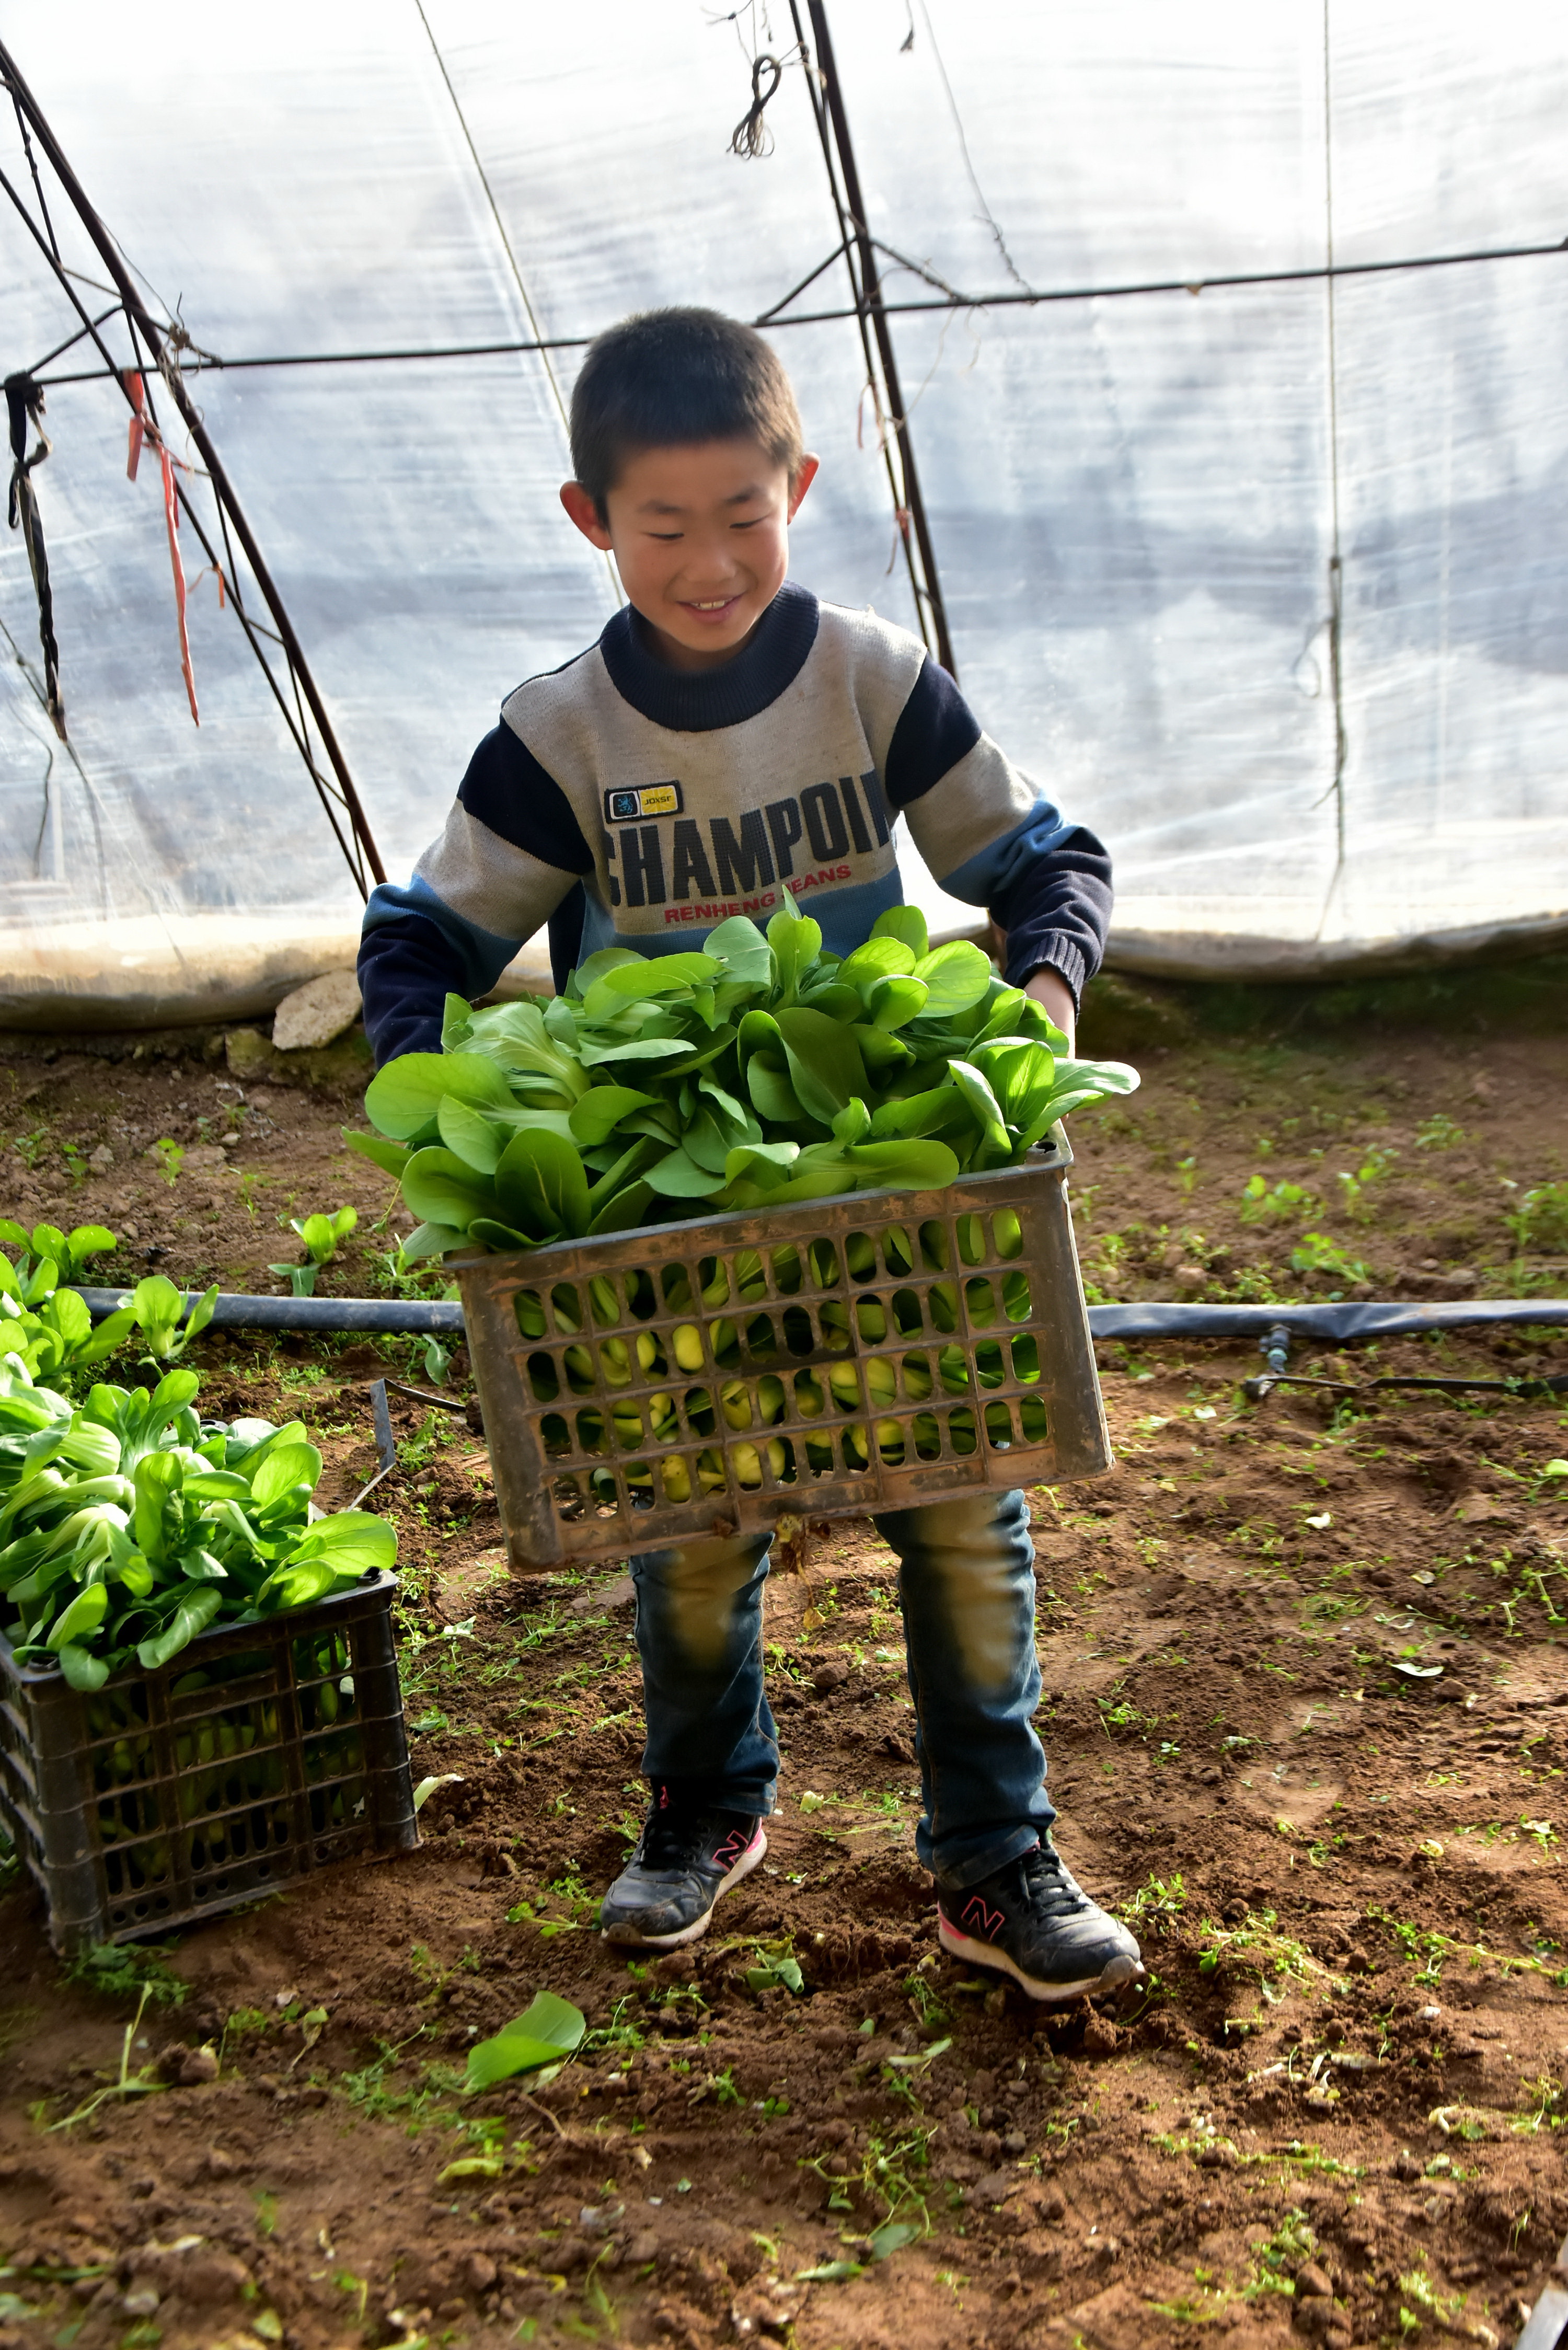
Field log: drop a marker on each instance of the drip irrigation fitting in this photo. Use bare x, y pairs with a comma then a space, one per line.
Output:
381, 1419
1274, 1346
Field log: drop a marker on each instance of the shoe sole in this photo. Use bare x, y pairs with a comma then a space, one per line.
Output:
627, 1935
1115, 1971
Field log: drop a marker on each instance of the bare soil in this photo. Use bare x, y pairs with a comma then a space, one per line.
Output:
1307, 1721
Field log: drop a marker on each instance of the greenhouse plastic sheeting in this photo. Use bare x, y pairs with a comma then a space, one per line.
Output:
1134, 502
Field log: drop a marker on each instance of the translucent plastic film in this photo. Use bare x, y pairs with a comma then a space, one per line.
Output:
1266, 584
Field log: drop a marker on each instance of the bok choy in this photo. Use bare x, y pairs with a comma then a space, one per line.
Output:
758, 1072
127, 1525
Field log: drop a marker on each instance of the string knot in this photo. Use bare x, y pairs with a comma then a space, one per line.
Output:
751, 137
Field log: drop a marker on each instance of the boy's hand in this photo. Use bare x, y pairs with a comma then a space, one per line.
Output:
1049, 988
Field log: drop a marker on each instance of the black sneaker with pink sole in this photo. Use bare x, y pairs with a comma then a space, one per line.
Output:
1033, 1921
688, 1856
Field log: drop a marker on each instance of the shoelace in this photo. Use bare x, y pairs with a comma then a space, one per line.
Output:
1049, 1884
674, 1839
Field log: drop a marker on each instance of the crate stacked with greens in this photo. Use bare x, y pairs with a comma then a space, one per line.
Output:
759, 1072
128, 1524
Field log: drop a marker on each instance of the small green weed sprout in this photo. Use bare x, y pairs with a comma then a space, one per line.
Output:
1316, 1253
1418, 2289
1354, 1186
1255, 1950
893, 2174
1118, 1712
1548, 2105
1277, 2262
1260, 1205
1439, 1133
1157, 1904
118, 1970
171, 1159
1540, 1223
929, 2009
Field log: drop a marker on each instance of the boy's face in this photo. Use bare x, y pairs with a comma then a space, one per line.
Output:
701, 538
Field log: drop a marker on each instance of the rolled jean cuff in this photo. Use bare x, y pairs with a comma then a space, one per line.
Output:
958, 1877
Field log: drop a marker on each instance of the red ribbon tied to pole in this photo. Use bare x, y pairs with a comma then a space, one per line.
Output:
142, 430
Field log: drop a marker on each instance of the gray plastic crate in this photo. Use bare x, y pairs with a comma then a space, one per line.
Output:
262, 1751
868, 1352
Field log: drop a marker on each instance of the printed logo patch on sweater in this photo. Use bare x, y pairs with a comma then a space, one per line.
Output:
624, 803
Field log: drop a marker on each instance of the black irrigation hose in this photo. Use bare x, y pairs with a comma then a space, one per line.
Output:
417, 1317
431, 1317
1335, 1322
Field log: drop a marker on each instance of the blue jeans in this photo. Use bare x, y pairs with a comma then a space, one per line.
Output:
966, 1584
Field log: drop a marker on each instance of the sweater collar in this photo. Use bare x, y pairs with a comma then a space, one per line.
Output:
697, 702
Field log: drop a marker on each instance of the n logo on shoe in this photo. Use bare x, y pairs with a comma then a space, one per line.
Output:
730, 1851
988, 1922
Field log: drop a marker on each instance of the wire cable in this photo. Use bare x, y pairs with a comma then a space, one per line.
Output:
1221, 282
542, 347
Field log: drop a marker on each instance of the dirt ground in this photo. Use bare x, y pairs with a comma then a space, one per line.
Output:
1307, 1719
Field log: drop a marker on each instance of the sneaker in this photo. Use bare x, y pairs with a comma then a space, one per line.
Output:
1031, 1922
687, 1855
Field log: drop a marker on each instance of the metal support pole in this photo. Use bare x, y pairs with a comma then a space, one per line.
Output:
866, 283
223, 489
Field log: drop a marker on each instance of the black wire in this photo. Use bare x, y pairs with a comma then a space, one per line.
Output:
1529, 1391
1231, 280
100, 320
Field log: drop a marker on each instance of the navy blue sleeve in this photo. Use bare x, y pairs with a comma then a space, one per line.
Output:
451, 931
1056, 909
520, 802
1046, 882
936, 728
408, 968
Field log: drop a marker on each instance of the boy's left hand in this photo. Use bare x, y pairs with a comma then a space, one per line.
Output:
1049, 988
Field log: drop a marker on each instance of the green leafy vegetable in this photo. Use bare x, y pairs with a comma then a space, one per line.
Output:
758, 1071
547, 2033
127, 1525
157, 1308
46, 1329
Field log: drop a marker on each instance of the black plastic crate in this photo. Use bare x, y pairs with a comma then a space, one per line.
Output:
262, 1751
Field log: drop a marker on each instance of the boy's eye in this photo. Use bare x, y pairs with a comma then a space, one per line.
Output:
666, 534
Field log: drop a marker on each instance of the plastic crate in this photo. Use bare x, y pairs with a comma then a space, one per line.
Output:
263, 1751
960, 1311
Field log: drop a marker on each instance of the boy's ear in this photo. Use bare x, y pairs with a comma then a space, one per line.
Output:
580, 505
805, 474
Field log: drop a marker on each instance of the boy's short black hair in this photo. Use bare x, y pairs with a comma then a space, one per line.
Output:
670, 379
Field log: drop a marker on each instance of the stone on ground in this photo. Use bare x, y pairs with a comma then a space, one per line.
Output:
318, 1012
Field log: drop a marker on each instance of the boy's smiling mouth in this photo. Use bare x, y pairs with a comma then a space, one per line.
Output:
710, 608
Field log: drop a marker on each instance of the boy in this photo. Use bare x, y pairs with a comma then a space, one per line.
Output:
729, 738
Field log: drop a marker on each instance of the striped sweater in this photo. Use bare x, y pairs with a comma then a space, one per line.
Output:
628, 804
